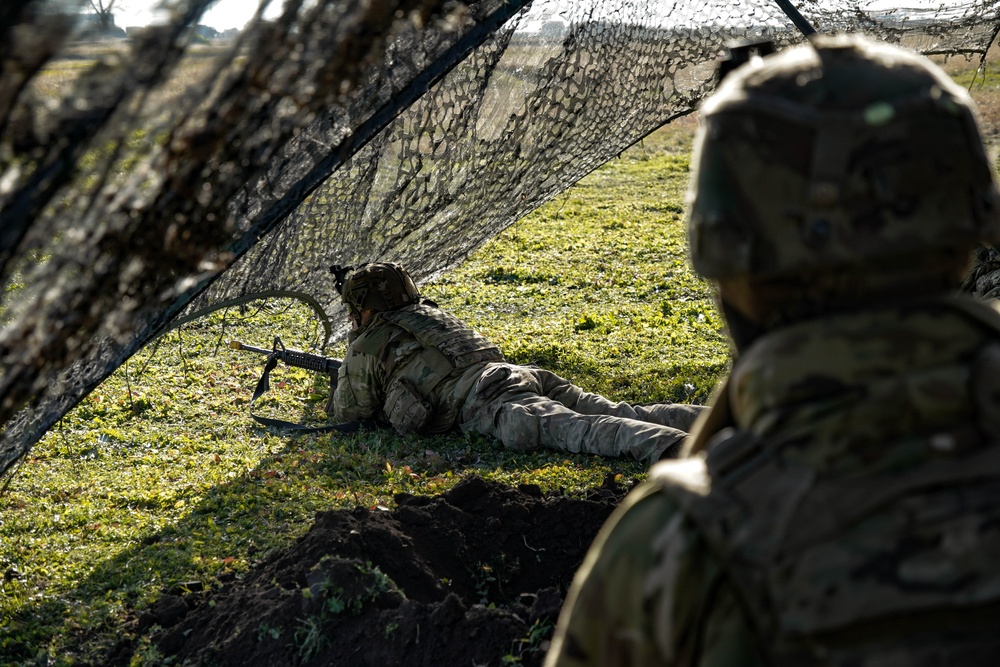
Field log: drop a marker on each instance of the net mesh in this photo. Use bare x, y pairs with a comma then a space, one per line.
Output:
145, 185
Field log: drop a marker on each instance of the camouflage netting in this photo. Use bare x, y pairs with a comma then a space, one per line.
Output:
170, 177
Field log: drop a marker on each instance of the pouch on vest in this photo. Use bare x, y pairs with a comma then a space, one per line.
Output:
406, 410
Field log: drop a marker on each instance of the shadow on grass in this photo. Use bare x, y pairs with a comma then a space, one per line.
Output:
264, 509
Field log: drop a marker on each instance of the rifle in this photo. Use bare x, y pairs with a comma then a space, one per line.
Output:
293, 357
298, 359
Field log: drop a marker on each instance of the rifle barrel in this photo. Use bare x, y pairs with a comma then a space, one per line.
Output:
237, 345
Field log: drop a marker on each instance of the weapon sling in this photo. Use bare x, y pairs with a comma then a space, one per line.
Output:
264, 385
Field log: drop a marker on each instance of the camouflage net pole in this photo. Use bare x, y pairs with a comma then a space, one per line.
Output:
167, 181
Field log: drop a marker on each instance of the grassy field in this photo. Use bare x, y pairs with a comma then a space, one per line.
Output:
160, 478
984, 87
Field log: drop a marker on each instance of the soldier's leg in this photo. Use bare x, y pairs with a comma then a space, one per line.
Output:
675, 415
529, 421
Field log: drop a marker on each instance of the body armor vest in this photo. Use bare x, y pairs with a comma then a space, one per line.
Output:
833, 567
855, 572
426, 347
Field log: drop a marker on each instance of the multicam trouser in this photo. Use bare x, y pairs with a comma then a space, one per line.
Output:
528, 408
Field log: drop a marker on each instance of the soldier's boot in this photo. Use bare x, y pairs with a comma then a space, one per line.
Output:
535, 421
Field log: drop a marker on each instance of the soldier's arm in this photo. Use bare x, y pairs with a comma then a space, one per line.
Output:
360, 391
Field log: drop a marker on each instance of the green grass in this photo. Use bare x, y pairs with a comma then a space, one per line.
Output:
159, 477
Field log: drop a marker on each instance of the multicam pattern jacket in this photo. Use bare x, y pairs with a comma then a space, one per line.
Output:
413, 368
847, 511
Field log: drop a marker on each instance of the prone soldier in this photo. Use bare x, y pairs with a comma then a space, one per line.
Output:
422, 370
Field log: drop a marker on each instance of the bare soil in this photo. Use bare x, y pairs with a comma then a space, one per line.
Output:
475, 576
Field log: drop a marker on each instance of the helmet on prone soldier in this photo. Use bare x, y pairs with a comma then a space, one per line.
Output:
379, 286
835, 173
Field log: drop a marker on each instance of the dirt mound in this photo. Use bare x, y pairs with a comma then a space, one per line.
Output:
475, 576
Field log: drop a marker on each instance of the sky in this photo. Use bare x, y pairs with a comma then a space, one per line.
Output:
223, 15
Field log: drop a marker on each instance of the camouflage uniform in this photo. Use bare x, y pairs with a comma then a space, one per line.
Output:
413, 368
422, 370
526, 408
840, 504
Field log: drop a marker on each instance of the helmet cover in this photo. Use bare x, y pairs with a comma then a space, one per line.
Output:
838, 154
379, 286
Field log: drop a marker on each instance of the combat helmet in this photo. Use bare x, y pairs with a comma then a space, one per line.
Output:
844, 155
379, 286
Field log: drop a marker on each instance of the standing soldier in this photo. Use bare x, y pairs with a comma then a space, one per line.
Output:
840, 504
423, 370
